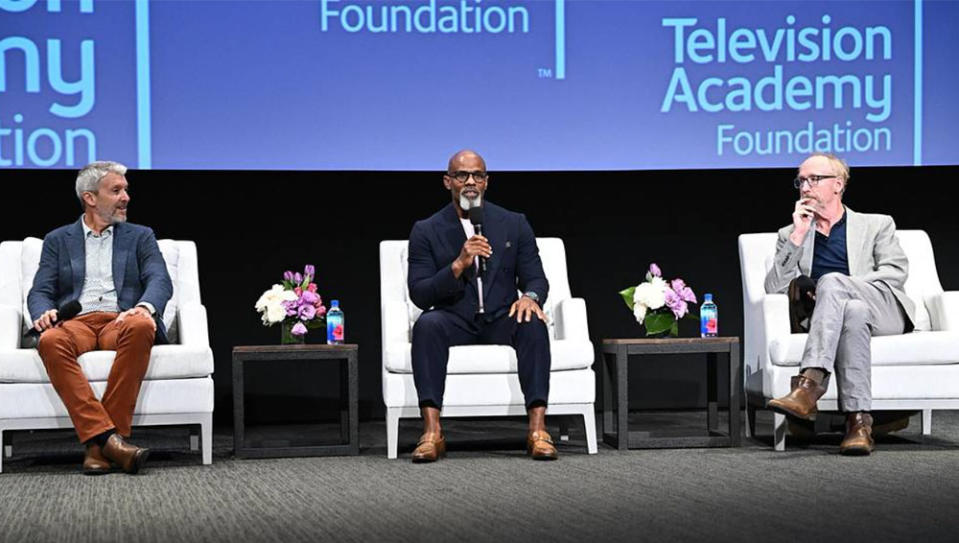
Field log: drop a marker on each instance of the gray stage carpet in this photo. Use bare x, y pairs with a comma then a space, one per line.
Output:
487, 490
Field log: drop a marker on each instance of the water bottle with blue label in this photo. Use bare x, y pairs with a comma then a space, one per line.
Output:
335, 323
708, 317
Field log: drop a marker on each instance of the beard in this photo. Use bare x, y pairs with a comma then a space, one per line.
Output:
114, 216
466, 203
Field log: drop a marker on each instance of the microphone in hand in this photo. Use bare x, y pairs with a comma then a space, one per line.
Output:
476, 218
65, 312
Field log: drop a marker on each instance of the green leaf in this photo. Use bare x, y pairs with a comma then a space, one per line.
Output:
691, 316
627, 295
674, 329
657, 323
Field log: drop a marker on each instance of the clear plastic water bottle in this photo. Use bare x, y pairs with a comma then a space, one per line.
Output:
708, 317
335, 324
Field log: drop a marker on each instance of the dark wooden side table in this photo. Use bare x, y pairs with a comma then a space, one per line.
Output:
616, 353
349, 393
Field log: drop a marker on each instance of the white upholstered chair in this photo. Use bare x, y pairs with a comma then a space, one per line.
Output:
481, 379
177, 388
915, 371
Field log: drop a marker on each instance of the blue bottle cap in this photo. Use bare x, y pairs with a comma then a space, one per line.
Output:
708, 297
334, 303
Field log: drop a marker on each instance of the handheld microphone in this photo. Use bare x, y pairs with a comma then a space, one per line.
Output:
476, 217
65, 312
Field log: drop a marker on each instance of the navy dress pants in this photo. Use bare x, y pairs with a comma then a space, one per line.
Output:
438, 330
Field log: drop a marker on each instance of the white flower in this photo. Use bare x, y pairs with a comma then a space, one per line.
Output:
270, 304
639, 310
651, 294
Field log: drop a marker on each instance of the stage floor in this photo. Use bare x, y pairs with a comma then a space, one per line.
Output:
488, 490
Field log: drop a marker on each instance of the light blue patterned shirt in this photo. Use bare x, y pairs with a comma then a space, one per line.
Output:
99, 293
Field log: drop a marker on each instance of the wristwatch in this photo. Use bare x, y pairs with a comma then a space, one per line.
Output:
532, 295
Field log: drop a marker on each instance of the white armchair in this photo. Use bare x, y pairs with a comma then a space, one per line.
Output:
915, 371
177, 388
481, 379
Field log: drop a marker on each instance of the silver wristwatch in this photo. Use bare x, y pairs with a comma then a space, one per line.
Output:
532, 295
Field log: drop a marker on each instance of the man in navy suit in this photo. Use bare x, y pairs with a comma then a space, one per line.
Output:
443, 268
116, 272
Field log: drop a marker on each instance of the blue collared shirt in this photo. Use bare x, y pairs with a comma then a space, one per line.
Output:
830, 253
99, 293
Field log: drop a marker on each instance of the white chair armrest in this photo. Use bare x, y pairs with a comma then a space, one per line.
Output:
10, 319
396, 322
775, 318
193, 327
569, 319
944, 310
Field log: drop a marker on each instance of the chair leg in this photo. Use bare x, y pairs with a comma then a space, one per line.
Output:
750, 420
589, 425
564, 429
392, 432
206, 438
779, 432
926, 422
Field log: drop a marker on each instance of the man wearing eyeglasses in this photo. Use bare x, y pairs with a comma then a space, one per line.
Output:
859, 271
444, 253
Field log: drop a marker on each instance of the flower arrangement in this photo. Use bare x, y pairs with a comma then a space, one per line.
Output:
658, 304
295, 304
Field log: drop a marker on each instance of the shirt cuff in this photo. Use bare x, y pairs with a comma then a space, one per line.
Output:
149, 307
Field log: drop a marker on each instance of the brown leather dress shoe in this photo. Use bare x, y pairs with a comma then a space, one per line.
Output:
801, 401
539, 445
93, 461
858, 440
129, 457
429, 449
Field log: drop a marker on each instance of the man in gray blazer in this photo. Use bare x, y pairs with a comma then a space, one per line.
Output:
116, 272
860, 270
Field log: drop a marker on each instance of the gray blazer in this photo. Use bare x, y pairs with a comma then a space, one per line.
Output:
872, 248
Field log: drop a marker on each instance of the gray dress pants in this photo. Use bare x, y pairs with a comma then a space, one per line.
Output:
849, 311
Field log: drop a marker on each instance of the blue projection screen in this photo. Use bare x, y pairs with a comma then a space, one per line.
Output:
533, 85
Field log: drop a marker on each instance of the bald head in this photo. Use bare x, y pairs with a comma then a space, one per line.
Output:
466, 160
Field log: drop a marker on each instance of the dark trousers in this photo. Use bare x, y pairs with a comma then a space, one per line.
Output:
438, 330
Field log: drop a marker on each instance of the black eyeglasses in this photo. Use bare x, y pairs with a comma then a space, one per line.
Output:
813, 180
463, 175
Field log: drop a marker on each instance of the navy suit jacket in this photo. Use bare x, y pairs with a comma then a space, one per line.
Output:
139, 271
436, 242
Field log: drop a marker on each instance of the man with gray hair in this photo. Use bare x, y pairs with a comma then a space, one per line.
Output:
859, 271
115, 271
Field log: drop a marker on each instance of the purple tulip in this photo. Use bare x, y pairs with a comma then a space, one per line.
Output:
307, 312
298, 329
654, 269
297, 278
309, 270
288, 275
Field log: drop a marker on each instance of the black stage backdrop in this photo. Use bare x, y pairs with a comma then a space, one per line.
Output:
251, 226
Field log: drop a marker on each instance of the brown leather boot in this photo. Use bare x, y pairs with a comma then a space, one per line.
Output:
540, 446
129, 457
429, 449
801, 401
858, 440
93, 461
